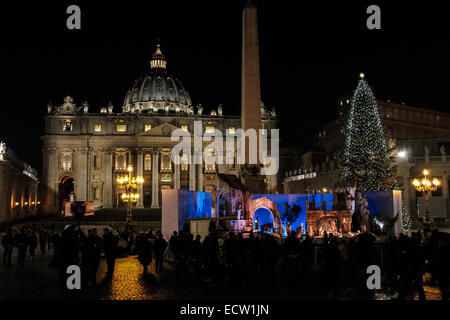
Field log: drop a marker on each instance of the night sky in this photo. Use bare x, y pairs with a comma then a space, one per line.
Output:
310, 55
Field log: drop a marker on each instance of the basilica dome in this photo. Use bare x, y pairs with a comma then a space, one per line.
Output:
158, 91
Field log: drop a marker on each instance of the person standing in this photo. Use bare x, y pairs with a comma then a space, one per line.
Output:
43, 238
197, 255
8, 244
93, 245
67, 255
110, 241
160, 249
32, 241
145, 251
21, 243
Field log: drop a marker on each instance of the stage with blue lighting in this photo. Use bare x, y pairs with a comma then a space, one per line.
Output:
264, 218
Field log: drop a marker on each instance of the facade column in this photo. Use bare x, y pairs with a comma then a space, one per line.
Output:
200, 177
108, 189
176, 177
192, 177
82, 174
140, 173
51, 168
155, 179
192, 171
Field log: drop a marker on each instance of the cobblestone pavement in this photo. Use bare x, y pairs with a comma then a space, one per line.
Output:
129, 283
36, 280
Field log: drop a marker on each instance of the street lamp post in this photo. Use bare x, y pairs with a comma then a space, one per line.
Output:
427, 186
130, 186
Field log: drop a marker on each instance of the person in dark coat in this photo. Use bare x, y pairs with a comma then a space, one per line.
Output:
160, 249
197, 254
55, 240
21, 240
110, 241
43, 238
32, 242
67, 255
174, 245
93, 244
8, 244
145, 251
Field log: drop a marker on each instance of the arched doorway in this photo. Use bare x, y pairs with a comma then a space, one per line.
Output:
65, 188
263, 220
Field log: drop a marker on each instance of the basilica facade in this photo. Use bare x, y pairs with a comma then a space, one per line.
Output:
84, 152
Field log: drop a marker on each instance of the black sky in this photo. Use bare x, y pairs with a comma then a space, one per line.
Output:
310, 55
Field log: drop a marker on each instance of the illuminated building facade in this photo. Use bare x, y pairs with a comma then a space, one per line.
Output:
85, 151
18, 187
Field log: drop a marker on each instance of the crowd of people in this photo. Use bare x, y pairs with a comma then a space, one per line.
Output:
336, 264
73, 246
27, 239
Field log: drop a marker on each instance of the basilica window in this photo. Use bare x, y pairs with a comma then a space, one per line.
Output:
121, 162
97, 127
147, 162
148, 127
184, 162
67, 162
121, 127
96, 162
67, 125
232, 130
185, 127
209, 129
166, 163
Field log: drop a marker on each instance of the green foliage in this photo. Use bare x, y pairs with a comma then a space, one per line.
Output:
291, 214
367, 160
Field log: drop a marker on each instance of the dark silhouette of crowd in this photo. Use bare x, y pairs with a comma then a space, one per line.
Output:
336, 268
27, 239
332, 267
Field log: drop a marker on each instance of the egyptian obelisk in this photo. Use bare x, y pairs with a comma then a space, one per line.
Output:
251, 88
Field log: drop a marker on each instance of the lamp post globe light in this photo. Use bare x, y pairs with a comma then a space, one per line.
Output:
427, 186
130, 186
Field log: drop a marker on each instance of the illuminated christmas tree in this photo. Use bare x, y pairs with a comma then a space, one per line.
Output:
367, 161
406, 219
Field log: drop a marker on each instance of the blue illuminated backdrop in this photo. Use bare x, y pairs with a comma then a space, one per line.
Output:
291, 200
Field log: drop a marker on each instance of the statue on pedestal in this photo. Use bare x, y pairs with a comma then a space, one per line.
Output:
85, 107
443, 154
110, 107
427, 154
